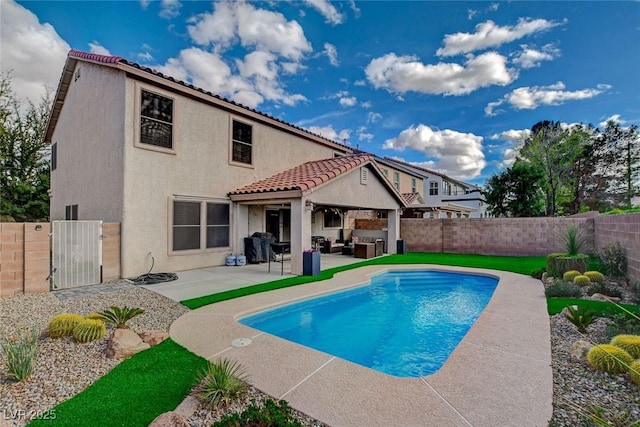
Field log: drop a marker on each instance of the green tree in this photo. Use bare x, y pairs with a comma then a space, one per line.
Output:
24, 157
551, 150
621, 148
516, 191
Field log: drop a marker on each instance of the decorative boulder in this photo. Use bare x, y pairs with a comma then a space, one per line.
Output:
600, 297
153, 336
565, 311
579, 350
169, 419
124, 343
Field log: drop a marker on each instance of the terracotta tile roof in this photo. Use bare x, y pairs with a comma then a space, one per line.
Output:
115, 60
305, 176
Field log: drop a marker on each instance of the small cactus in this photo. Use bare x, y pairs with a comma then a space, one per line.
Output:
89, 330
63, 324
629, 343
570, 275
94, 316
609, 358
595, 276
581, 280
634, 371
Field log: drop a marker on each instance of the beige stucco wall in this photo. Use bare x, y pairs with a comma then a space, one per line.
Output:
405, 180
199, 168
89, 136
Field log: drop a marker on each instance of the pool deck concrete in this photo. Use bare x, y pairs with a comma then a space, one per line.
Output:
499, 375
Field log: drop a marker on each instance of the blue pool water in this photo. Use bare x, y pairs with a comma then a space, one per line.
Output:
404, 323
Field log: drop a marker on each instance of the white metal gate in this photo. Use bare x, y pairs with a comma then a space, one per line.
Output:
77, 253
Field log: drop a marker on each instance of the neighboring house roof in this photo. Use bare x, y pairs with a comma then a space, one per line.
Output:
396, 165
170, 83
412, 198
309, 175
421, 171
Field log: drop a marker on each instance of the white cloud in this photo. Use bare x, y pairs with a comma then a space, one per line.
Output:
373, 117
366, 104
328, 10
509, 156
457, 154
614, 118
332, 53
97, 48
354, 8
330, 133
512, 135
145, 56
365, 137
399, 74
259, 29
488, 34
169, 9
530, 58
144, 4
25, 42
529, 98
349, 101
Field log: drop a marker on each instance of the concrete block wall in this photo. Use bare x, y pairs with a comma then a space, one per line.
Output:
496, 236
24, 258
110, 251
626, 230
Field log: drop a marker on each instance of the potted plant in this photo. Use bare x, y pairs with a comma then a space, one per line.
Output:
574, 239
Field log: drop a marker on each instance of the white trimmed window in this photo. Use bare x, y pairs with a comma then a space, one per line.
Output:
241, 143
413, 185
199, 225
156, 119
433, 188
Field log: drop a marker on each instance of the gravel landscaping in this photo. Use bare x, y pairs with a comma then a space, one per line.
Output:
64, 368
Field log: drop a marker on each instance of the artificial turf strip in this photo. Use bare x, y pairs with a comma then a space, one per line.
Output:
601, 308
522, 265
135, 391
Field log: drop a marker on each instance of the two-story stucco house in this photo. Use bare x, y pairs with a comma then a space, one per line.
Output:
189, 174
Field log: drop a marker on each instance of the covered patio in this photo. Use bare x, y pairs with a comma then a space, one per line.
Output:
293, 206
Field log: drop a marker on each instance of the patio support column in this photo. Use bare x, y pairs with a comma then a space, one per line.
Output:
300, 233
393, 230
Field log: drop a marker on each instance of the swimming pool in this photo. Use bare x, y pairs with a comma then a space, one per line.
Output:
404, 323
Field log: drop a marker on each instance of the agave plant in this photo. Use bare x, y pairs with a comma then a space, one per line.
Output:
574, 239
221, 382
120, 316
581, 317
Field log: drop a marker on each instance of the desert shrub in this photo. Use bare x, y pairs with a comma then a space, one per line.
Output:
552, 265
563, 290
595, 276
537, 274
19, 352
574, 238
634, 371
629, 343
271, 414
120, 316
568, 276
602, 288
614, 260
609, 358
581, 317
62, 325
581, 280
623, 324
221, 382
634, 287
89, 330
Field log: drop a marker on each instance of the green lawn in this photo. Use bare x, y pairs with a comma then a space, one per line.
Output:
601, 308
156, 380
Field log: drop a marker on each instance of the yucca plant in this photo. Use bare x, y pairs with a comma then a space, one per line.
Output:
581, 317
120, 316
574, 239
221, 382
20, 352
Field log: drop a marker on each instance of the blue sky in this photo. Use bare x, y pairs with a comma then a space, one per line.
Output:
451, 86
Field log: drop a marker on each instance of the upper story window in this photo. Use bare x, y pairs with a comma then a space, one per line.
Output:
413, 185
156, 119
396, 180
241, 141
433, 188
385, 172
446, 188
